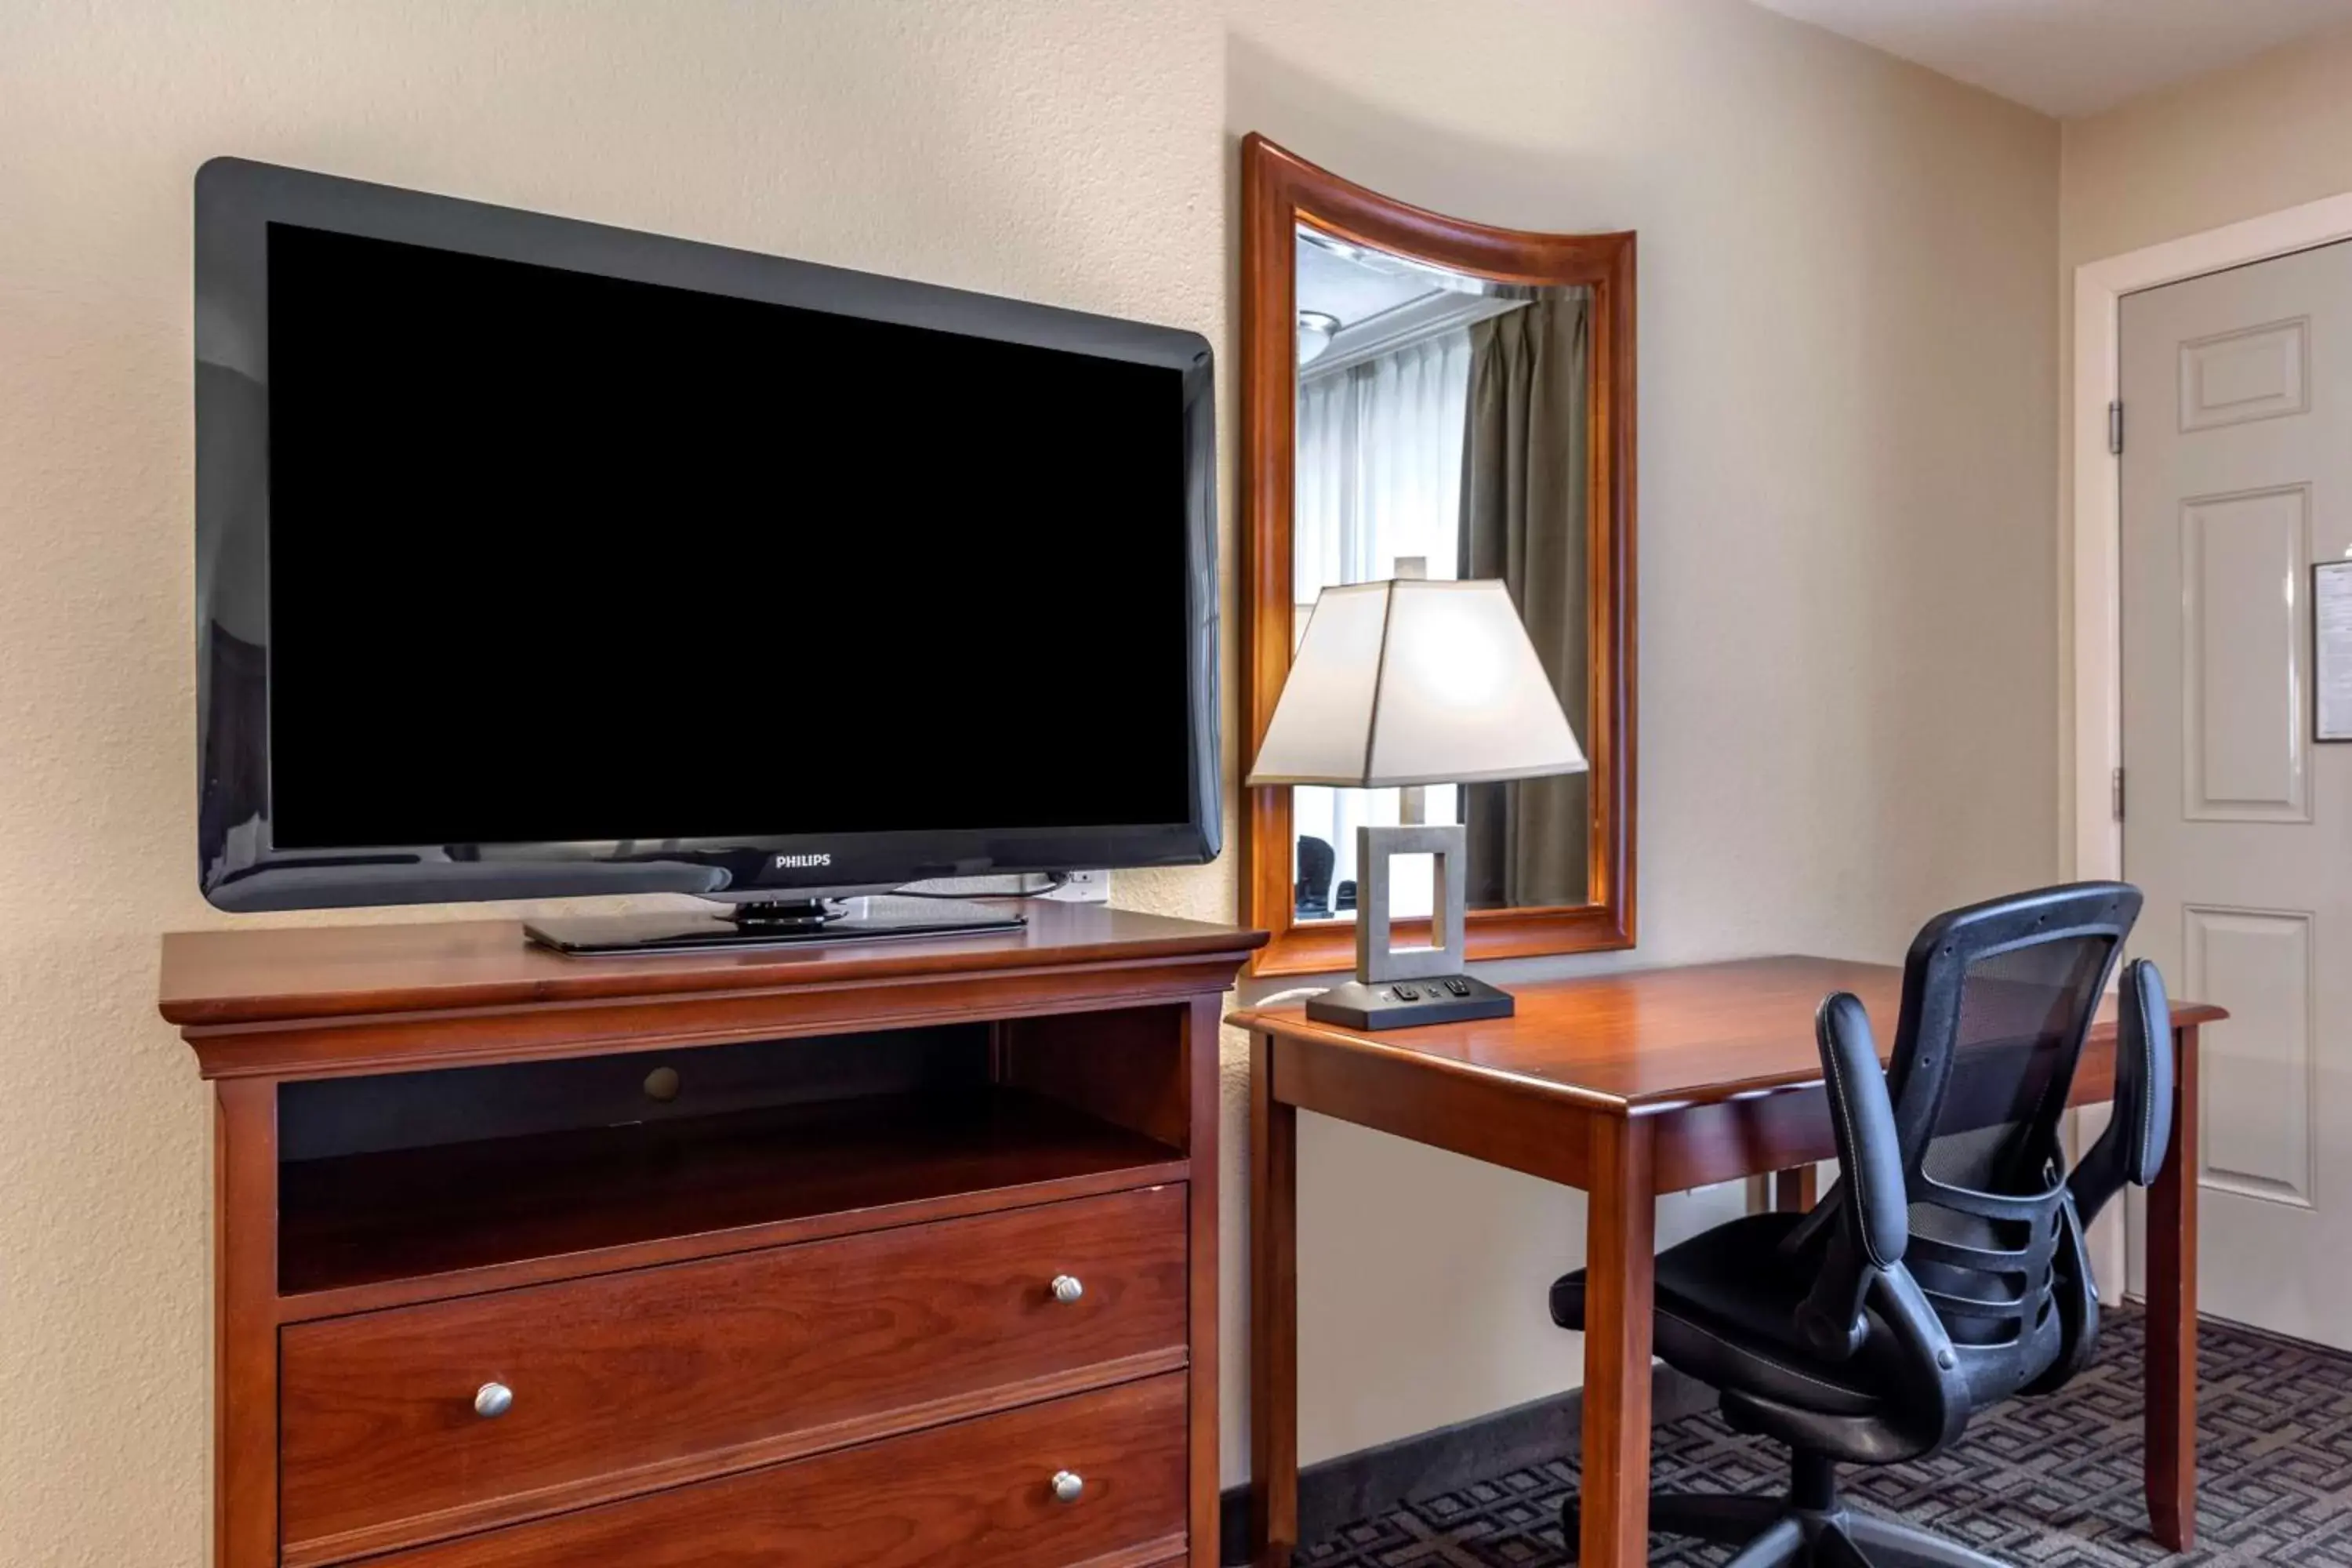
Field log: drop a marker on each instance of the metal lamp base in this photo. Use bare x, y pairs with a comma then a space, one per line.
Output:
1396, 988
1401, 1004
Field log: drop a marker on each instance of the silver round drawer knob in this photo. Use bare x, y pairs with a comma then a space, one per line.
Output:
1067, 1289
493, 1400
1068, 1486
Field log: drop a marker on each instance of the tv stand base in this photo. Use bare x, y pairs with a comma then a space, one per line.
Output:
768, 925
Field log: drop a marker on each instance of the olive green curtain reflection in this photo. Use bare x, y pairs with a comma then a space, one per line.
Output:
1524, 521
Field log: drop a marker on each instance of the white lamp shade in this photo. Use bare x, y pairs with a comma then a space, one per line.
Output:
1415, 683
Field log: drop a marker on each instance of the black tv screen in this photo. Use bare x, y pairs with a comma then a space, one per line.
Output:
536, 557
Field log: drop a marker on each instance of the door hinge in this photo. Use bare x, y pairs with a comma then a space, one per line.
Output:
2115, 793
2115, 428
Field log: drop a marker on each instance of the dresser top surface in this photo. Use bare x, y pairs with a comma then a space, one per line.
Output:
248, 975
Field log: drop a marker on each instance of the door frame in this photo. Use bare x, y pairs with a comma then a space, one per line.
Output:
2094, 529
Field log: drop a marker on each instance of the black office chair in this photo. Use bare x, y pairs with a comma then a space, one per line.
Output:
1947, 1269
1317, 861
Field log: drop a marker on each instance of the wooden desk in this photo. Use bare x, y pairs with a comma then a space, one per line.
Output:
1629, 1086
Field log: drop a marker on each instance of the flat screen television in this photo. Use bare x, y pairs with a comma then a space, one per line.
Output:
536, 557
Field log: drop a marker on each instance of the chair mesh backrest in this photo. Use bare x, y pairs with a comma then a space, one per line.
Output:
1316, 860
1997, 1001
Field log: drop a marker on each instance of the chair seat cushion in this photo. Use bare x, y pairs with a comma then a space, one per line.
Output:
1726, 1314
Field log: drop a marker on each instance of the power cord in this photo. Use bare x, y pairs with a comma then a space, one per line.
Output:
1054, 881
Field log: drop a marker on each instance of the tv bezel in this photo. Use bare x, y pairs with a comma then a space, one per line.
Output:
236, 200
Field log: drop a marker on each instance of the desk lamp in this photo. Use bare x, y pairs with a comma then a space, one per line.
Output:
1399, 684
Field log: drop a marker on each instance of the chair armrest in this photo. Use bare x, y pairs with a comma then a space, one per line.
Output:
2133, 1147
1936, 1390
1873, 1225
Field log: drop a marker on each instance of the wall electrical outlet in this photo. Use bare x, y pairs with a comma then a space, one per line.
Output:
1084, 888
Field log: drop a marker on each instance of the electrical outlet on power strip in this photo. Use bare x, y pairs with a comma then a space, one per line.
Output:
1084, 888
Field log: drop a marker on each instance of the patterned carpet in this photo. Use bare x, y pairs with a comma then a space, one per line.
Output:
2048, 1483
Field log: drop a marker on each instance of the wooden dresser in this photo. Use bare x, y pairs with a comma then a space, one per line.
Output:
893, 1254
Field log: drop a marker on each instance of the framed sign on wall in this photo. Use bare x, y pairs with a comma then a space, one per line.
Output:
2331, 650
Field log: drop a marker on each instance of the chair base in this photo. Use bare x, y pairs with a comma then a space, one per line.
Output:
1809, 1528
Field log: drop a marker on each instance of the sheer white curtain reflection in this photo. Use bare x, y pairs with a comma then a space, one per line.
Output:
1378, 472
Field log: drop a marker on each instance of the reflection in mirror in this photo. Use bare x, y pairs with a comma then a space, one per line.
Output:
1442, 422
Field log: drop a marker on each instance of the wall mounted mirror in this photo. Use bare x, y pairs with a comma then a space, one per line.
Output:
1427, 397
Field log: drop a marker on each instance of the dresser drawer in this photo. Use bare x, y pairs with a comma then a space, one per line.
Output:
623, 1382
978, 1494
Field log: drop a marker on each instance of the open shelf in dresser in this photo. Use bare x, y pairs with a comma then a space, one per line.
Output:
652, 1191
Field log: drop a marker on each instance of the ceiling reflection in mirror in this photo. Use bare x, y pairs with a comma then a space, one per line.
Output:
1441, 431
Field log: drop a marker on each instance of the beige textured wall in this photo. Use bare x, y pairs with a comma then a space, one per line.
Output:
1847, 374
2271, 133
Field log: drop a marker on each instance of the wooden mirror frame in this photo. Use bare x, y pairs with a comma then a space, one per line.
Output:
1280, 192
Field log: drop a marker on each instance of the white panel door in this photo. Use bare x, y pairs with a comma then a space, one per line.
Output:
2237, 475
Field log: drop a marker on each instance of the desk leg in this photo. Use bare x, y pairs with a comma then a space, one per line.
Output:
1273, 1316
1621, 1229
1797, 1191
2171, 1392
